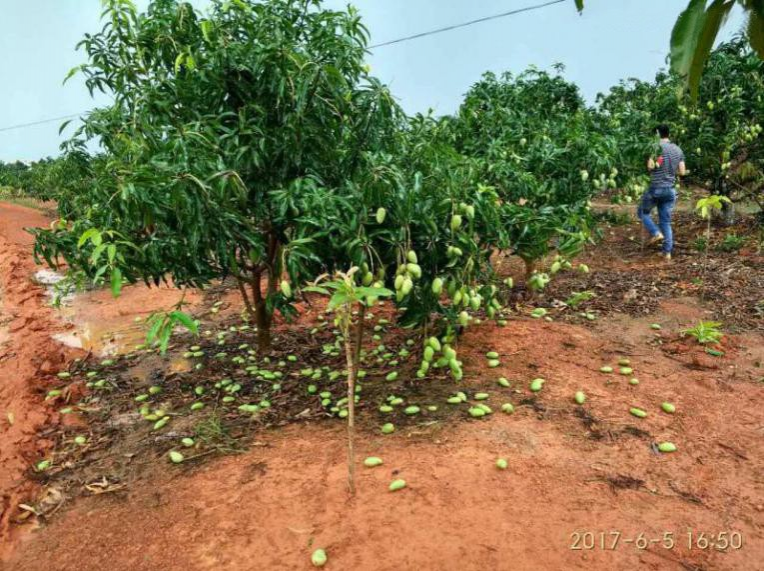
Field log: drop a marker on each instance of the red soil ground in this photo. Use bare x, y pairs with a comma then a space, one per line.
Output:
27, 354
571, 469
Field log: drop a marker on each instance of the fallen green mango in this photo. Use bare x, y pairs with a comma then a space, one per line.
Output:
396, 485
319, 558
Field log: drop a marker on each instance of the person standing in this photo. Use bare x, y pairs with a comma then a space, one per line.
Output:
661, 194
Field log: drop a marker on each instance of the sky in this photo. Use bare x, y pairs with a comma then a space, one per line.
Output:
612, 40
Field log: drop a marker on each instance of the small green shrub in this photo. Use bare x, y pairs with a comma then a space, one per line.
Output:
731, 243
705, 332
700, 244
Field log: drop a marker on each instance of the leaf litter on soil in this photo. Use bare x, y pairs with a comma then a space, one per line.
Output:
120, 441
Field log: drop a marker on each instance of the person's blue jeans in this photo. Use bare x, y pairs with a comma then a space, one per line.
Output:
664, 198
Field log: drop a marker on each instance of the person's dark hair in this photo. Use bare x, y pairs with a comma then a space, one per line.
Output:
663, 130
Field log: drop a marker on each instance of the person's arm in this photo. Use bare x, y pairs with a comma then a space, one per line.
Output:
682, 168
650, 164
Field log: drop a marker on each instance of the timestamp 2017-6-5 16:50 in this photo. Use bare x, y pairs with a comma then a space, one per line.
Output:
611, 540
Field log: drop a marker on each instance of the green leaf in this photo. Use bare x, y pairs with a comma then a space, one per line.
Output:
96, 255
156, 324
63, 126
756, 30
206, 27
164, 338
316, 289
86, 235
685, 36
190, 62
715, 17
116, 282
373, 291
186, 320
100, 272
580, 5
338, 299
72, 72
242, 5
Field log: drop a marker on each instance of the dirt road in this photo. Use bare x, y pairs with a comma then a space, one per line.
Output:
30, 357
27, 355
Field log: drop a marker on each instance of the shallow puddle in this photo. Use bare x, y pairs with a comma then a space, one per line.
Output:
103, 339
97, 327
106, 326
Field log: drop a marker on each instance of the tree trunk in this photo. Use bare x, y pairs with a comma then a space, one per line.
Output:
263, 321
247, 303
359, 337
353, 358
705, 258
728, 213
530, 267
263, 318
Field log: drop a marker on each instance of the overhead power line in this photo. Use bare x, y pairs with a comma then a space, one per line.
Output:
470, 23
390, 43
41, 122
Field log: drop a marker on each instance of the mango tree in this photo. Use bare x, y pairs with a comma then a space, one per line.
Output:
228, 149
719, 131
533, 141
427, 233
725, 130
